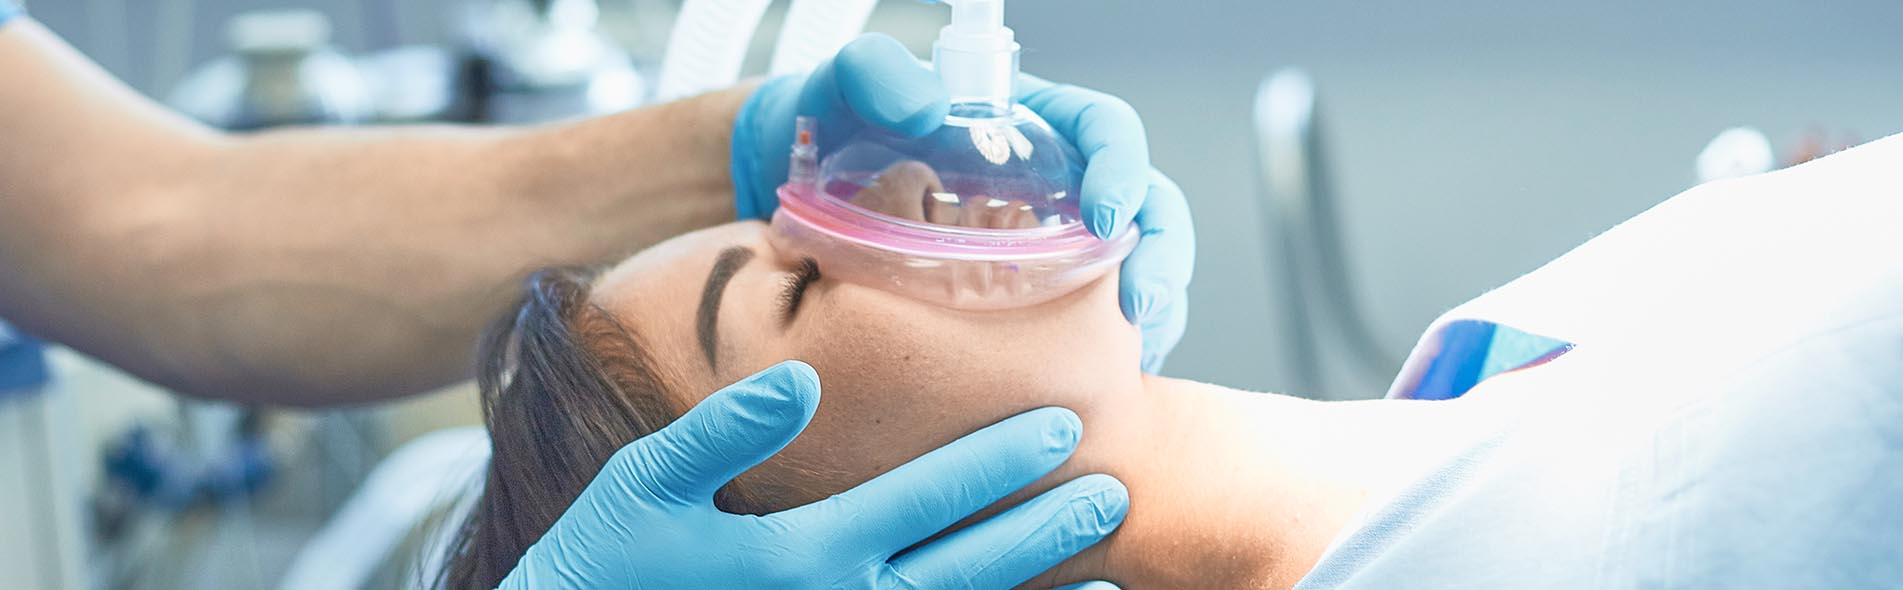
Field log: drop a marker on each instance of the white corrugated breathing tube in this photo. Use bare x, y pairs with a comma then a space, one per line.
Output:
815, 30
710, 39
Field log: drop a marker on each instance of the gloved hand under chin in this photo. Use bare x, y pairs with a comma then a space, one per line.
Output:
648, 519
875, 81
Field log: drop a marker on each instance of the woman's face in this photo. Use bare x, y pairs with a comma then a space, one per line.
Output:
898, 377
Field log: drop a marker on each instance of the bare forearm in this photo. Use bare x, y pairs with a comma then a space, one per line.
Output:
328, 266
369, 259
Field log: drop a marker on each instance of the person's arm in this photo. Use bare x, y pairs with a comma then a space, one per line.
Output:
311, 266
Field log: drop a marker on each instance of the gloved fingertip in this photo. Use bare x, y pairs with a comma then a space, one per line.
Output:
1063, 430
1160, 335
1152, 363
1114, 202
1104, 497
1102, 221
793, 374
787, 389
1108, 492
1142, 300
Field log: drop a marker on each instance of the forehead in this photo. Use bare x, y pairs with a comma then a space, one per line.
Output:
675, 260
655, 292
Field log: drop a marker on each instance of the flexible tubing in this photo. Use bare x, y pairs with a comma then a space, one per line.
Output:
707, 46
815, 30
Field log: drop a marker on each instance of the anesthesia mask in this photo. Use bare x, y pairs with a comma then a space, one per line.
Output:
981, 214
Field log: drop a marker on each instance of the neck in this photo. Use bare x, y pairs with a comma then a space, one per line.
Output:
1231, 489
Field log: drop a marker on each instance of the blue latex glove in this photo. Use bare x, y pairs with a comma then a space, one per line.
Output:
875, 81
649, 521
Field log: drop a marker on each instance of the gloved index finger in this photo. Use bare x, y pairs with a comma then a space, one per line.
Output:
1154, 289
1115, 147
731, 431
1030, 538
932, 492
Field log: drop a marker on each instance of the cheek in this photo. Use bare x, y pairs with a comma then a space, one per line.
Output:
885, 386
892, 357
900, 378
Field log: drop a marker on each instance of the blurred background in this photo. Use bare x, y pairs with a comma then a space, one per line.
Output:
1408, 157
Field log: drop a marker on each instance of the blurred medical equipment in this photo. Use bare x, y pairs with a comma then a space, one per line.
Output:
1815, 144
1735, 152
546, 60
283, 72
522, 61
1310, 266
982, 213
1743, 151
417, 83
427, 480
42, 542
49, 540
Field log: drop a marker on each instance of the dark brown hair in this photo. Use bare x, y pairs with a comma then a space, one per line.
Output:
564, 385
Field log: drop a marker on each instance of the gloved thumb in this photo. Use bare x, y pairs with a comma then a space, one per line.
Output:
731, 431
885, 85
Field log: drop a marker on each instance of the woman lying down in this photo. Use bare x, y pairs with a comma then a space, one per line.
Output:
1714, 399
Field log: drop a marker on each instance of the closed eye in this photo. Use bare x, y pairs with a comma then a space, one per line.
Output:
793, 289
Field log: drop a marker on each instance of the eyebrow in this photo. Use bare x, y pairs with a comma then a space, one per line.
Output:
708, 319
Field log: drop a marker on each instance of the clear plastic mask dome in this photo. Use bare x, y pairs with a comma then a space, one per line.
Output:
982, 213
990, 166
